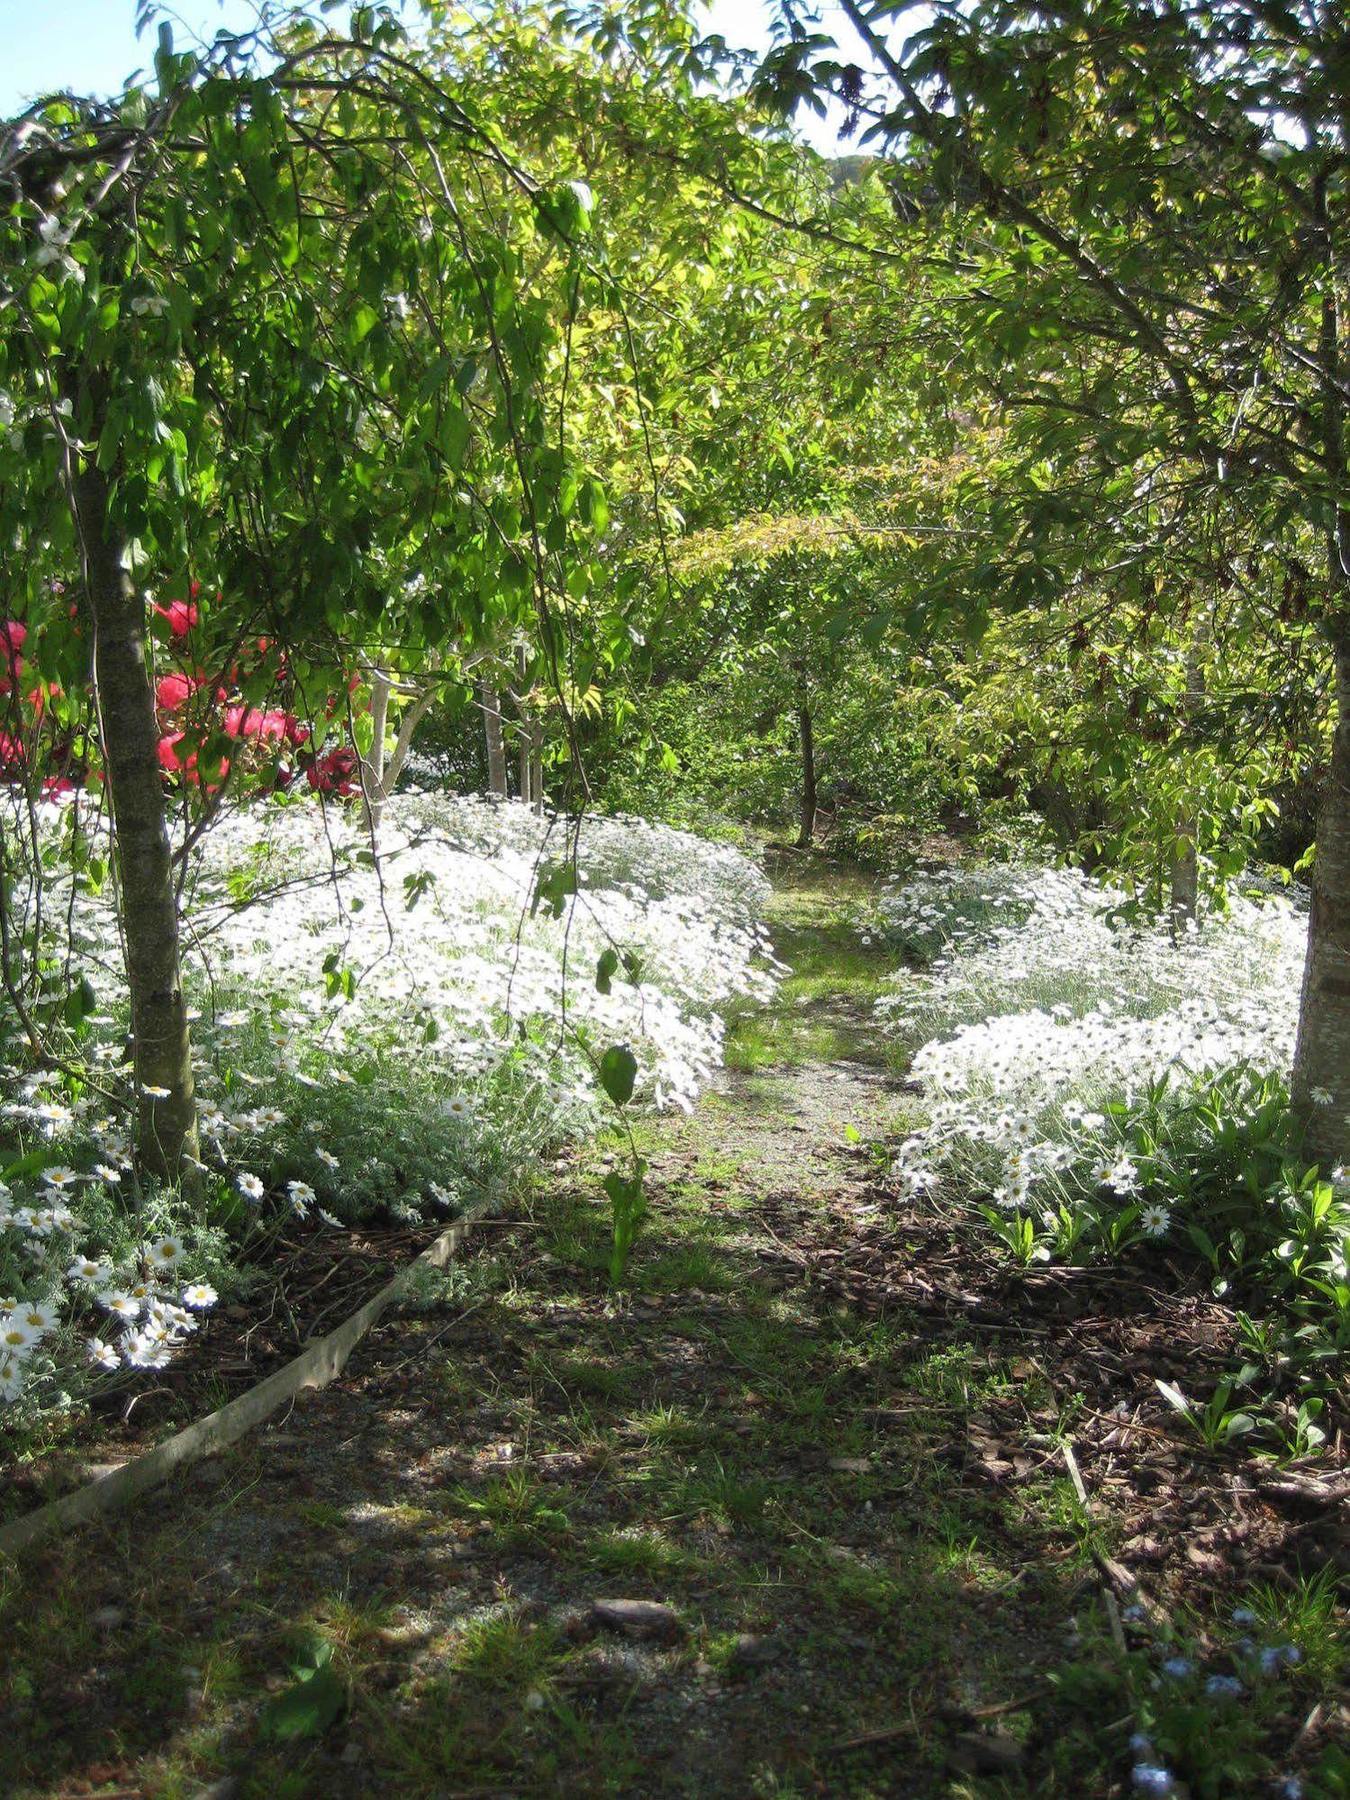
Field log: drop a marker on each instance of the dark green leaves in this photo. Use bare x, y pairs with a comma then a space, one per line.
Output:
618, 1073
313, 1701
555, 883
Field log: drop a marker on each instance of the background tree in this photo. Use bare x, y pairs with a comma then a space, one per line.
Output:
1168, 187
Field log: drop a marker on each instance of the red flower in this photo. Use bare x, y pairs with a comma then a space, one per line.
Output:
181, 615
12, 637
167, 751
334, 772
172, 691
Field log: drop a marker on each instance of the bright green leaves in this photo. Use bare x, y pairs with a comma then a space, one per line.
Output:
564, 211
593, 506
364, 319
628, 1208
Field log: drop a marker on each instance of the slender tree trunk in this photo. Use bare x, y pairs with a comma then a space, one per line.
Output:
1322, 1057
490, 702
523, 755
167, 1125
1321, 1080
372, 766
1185, 857
808, 799
536, 764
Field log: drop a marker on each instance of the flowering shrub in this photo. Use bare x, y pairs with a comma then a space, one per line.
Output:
404, 1034
1097, 1086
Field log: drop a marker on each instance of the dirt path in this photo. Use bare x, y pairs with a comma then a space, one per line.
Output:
783, 1439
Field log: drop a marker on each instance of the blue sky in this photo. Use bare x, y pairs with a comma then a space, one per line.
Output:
90, 46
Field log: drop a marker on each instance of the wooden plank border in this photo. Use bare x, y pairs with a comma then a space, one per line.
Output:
317, 1365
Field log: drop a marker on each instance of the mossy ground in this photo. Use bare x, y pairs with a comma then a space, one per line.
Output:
780, 1443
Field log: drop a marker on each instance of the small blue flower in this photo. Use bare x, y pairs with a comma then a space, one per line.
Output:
1243, 1615
1278, 1657
1153, 1778
1223, 1687
1132, 1614
1291, 1788
1141, 1743
1177, 1668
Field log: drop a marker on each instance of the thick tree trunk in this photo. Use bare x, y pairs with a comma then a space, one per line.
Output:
490, 702
807, 830
1322, 1058
167, 1125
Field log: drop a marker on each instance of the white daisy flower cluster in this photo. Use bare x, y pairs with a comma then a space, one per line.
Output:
146, 1302
465, 983
1045, 1005
446, 934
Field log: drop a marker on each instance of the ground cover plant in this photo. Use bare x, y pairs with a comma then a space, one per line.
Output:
713, 767
790, 1514
1098, 1085
392, 1037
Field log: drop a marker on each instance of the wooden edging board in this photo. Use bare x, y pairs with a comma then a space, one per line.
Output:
317, 1365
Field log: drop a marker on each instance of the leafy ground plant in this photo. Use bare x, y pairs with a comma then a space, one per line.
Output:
821, 1442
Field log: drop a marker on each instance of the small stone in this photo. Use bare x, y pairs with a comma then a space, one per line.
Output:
980, 1753
107, 1618
753, 1652
639, 1618
351, 1752
851, 1465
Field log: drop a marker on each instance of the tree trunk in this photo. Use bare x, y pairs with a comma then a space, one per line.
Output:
490, 702
1322, 1058
1185, 858
372, 766
1185, 879
523, 754
808, 801
167, 1123
536, 764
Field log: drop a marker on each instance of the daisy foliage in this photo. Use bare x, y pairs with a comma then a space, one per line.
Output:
401, 1035
1094, 1083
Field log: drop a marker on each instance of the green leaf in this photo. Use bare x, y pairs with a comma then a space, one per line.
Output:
309, 1706
555, 882
605, 970
618, 1073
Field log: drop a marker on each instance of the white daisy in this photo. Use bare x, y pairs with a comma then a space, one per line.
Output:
17, 1338
124, 1305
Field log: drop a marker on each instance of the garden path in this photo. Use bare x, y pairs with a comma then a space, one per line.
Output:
816, 1450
